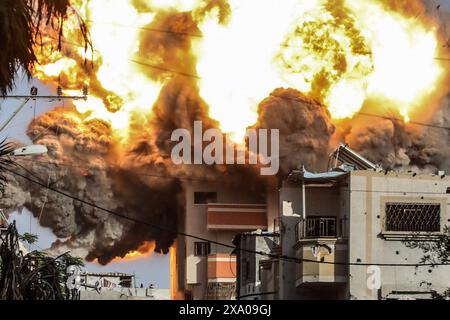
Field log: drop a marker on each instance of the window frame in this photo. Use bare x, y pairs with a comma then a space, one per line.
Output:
205, 249
395, 235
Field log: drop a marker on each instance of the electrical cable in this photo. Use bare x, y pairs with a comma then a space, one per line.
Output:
375, 115
212, 181
146, 29
173, 232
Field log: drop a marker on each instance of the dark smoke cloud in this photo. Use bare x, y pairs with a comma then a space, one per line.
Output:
398, 145
305, 129
137, 178
178, 107
83, 161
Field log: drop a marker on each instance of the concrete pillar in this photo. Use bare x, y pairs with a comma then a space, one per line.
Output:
287, 277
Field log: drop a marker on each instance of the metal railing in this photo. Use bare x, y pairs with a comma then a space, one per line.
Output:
319, 227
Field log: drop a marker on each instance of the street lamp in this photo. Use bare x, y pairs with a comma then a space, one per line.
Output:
31, 150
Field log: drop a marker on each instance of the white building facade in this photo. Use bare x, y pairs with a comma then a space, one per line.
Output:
352, 229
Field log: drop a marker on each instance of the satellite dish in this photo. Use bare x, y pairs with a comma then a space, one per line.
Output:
33, 150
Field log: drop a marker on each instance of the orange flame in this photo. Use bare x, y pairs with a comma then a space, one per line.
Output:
343, 53
144, 251
175, 292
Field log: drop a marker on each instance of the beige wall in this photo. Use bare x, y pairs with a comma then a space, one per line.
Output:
270, 280
196, 224
369, 190
330, 250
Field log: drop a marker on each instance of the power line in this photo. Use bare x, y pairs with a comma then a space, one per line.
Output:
180, 33
212, 181
274, 256
146, 64
375, 115
401, 120
57, 97
256, 294
137, 172
161, 68
201, 36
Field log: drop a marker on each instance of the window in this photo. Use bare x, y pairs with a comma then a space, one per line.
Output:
202, 249
413, 217
205, 197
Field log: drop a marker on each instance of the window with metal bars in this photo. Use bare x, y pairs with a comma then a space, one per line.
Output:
413, 217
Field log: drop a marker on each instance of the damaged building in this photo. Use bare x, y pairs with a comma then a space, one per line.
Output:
318, 236
215, 212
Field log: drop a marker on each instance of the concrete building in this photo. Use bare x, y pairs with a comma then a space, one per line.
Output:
350, 216
216, 212
335, 227
117, 286
248, 264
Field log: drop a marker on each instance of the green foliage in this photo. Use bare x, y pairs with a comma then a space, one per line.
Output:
436, 251
35, 275
22, 24
28, 238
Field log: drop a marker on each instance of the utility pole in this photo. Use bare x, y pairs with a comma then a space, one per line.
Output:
4, 125
59, 96
34, 96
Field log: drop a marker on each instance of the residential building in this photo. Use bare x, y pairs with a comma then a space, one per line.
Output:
248, 263
216, 212
340, 225
117, 286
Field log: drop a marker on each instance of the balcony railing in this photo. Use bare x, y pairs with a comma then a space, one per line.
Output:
236, 216
320, 227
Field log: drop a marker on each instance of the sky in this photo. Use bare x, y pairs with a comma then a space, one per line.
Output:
151, 270
156, 269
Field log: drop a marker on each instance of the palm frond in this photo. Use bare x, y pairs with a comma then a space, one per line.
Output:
34, 275
22, 24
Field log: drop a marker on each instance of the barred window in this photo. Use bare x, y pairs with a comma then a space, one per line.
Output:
413, 217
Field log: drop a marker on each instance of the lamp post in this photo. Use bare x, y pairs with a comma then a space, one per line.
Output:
31, 150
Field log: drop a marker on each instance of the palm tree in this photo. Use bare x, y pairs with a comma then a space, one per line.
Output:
22, 24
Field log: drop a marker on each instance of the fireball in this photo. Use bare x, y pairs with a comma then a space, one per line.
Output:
342, 53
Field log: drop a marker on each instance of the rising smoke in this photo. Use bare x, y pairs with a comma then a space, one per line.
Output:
136, 177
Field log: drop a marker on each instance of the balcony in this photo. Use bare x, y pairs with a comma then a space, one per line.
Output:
320, 227
236, 217
221, 268
321, 239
